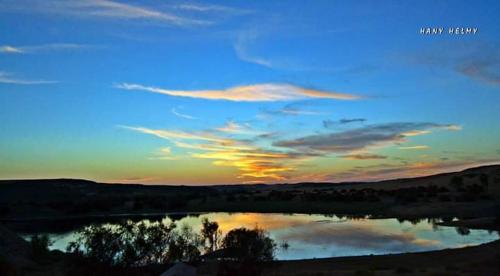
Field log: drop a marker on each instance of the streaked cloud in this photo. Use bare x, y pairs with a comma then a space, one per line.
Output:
102, 9
6, 49
198, 7
292, 109
241, 48
9, 78
182, 115
254, 163
9, 49
475, 60
384, 171
331, 123
483, 70
268, 92
173, 135
354, 120
363, 156
133, 180
164, 153
236, 128
359, 138
453, 127
418, 147
296, 111
299, 112
417, 132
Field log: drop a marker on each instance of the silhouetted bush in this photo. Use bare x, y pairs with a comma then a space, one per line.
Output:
126, 244
40, 246
249, 245
464, 231
146, 243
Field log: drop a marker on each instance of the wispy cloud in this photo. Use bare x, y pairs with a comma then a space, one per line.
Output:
246, 47
417, 132
9, 49
6, 49
291, 109
197, 7
241, 48
483, 70
418, 147
181, 115
133, 180
250, 93
173, 135
102, 9
164, 153
331, 123
254, 163
475, 60
233, 127
9, 78
297, 111
410, 169
363, 156
358, 139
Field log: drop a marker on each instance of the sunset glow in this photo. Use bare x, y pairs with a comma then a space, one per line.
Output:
229, 92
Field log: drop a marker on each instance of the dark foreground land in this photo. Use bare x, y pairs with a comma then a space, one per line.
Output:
471, 195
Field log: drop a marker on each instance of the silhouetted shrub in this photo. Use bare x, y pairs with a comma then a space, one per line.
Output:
464, 231
40, 246
249, 245
145, 243
126, 244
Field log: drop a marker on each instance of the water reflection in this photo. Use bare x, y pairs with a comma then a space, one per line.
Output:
318, 236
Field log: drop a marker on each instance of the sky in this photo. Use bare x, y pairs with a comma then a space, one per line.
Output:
229, 92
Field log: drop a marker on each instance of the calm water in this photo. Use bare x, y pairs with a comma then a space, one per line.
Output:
320, 236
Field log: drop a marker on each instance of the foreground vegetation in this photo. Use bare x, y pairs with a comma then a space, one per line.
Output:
145, 245
130, 244
475, 260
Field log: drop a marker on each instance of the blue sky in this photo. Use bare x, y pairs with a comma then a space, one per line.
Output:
185, 92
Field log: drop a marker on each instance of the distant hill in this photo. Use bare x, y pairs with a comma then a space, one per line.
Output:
436, 179
476, 190
66, 188
51, 189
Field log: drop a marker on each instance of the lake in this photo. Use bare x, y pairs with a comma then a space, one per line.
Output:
308, 235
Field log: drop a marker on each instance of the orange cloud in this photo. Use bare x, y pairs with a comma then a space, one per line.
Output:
268, 92
254, 163
416, 132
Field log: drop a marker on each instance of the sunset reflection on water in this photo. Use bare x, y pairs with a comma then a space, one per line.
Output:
321, 236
